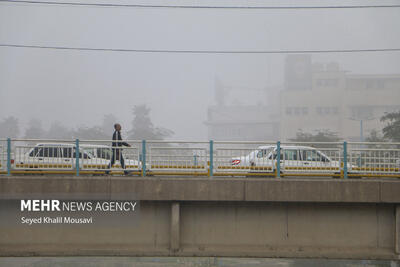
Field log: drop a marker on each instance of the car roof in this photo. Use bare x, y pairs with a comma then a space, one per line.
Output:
94, 146
70, 145
54, 144
287, 147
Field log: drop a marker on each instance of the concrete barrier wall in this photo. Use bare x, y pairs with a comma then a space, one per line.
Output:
183, 217
288, 229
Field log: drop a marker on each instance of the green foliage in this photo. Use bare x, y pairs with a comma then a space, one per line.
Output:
35, 130
102, 132
91, 133
375, 136
58, 131
320, 136
392, 129
143, 128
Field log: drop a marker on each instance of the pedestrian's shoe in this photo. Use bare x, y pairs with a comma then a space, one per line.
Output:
126, 172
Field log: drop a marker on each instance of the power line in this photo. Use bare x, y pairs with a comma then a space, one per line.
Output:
203, 51
196, 7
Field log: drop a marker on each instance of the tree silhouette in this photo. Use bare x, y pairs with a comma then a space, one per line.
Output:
58, 131
319, 136
392, 129
375, 136
90, 133
143, 128
35, 130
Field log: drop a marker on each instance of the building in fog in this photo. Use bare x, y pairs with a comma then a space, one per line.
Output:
324, 97
243, 114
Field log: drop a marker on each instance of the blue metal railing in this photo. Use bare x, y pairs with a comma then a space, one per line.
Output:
278, 159
144, 158
77, 156
211, 168
217, 158
345, 159
8, 156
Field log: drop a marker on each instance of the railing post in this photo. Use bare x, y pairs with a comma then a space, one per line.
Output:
345, 159
8, 156
77, 156
195, 160
143, 158
211, 158
278, 159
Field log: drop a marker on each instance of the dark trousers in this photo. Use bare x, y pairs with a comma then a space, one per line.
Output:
117, 155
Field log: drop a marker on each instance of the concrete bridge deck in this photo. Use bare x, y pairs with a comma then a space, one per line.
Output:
180, 188
236, 217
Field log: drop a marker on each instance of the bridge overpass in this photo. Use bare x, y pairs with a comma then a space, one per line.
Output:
212, 216
237, 199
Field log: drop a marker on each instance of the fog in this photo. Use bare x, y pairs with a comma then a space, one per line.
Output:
79, 87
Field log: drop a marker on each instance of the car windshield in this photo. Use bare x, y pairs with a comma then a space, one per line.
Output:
261, 153
98, 152
90, 151
45, 151
314, 155
104, 153
290, 154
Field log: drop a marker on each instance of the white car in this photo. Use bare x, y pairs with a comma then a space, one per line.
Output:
63, 156
291, 158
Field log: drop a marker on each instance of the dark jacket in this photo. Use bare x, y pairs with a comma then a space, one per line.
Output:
117, 137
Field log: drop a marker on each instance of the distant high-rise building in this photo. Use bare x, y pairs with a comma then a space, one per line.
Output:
336, 100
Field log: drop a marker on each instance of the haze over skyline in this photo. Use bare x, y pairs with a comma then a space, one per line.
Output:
79, 87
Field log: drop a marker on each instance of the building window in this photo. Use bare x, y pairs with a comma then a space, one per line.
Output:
362, 112
328, 82
324, 111
298, 111
332, 82
374, 84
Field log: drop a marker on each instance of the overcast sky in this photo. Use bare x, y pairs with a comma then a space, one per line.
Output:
79, 87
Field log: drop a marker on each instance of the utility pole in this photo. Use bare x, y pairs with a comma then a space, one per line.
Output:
361, 126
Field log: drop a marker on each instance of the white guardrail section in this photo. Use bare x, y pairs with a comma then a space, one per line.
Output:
97, 155
170, 157
33, 154
193, 158
373, 159
247, 158
311, 158
61, 155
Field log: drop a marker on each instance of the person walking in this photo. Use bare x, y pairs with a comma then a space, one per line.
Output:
116, 151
